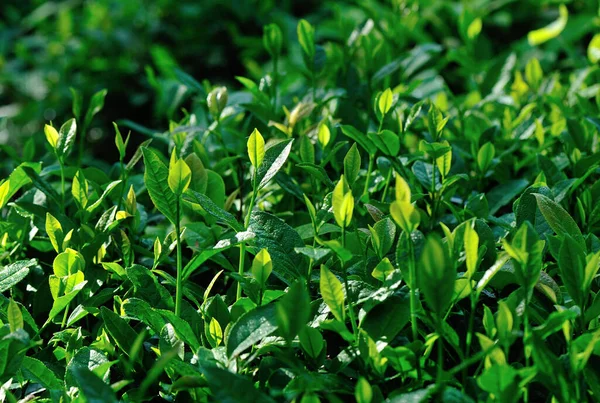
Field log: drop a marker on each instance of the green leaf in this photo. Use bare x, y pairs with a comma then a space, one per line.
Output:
352, 164
180, 177
387, 319
91, 386
211, 208
306, 37
80, 189
230, 388
142, 311
37, 371
383, 234
437, 274
214, 334
571, 262
534, 73
14, 315
311, 341
593, 50
55, 232
471, 243
485, 156
12, 274
275, 157
121, 145
17, 179
262, 266
96, 105
332, 293
550, 31
273, 234
156, 180
558, 219
42, 184
360, 138
363, 391
68, 262
386, 99
342, 203
383, 269
256, 148
405, 215
66, 139
206, 254
61, 302
272, 39
118, 328
109, 188
147, 287
316, 171
293, 311
387, 141
251, 328
51, 136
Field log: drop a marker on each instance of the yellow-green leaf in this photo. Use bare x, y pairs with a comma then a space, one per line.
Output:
593, 51
256, 148
332, 293
386, 100
551, 30
80, 189
474, 28
15, 316
324, 135
402, 189
54, 231
405, 215
215, 334
262, 266
340, 204
51, 135
180, 176
471, 241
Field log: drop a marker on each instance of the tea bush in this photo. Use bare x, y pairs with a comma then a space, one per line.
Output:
396, 205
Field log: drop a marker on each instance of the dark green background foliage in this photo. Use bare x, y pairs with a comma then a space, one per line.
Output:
300, 201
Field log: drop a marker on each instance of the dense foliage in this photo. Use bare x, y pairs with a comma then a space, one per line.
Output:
396, 203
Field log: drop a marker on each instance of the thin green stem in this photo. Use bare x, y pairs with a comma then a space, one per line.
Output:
238, 294
65, 317
179, 285
369, 171
440, 363
348, 293
275, 80
387, 185
413, 297
525, 341
62, 182
433, 196
123, 184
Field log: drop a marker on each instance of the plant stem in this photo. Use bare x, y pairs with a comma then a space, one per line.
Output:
525, 341
65, 317
275, 80
387, 185
62, 183
238, 294
440, 364
369, 171
179, 285
348, 293
123, 184
413, 298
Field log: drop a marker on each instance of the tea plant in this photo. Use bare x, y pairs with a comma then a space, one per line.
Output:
346, 227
